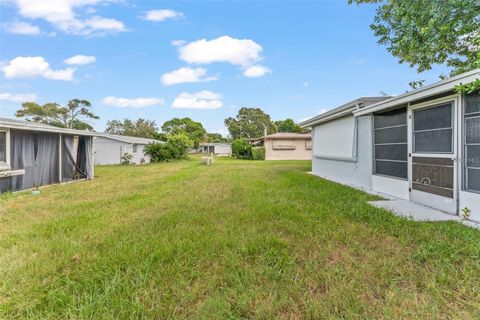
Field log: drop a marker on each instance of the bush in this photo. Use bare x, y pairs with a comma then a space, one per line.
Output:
175, 148
258, 153
241, 149
126, 158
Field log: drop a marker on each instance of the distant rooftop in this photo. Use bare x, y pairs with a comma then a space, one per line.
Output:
288, 135
128, 139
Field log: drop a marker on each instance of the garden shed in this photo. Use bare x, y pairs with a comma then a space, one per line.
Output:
34, 154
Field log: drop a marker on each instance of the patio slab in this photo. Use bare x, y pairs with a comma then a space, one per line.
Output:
418, 212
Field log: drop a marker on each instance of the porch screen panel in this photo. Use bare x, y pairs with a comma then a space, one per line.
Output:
433, 129
335, 139
390, 143
472, 143
3, 146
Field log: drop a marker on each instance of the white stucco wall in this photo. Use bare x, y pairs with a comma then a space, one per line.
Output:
354, 172
109, 151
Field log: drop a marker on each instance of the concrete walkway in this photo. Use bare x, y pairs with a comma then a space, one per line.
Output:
418, 212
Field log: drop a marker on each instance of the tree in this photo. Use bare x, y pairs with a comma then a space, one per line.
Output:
250, 123
215, 137
138, 128
194, 130
74, 116
288, 125
241, 149
427, 32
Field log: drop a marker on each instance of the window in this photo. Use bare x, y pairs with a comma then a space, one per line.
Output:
433, 129
335, 139
4, 152
390, 143
472, 143
134, 148
283, 145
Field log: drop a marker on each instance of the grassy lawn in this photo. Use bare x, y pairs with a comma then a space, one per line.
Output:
237, 240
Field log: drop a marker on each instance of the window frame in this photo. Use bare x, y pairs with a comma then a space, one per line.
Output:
5, 165
374, 130
465, 166
451, 128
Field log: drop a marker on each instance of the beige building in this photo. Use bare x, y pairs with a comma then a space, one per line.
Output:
288, 146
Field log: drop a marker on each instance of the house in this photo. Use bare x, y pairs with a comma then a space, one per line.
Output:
110, 148
221, 149
422, 146
34, 154
287, 146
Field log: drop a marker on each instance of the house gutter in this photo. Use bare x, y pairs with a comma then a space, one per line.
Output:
424, 92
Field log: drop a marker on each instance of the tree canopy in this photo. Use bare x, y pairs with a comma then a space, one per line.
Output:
288, 125
137, 128
194, 130
249, 123
426, 32
73, 116
215, 137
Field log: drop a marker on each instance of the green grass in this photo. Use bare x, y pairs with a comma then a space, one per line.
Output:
236, 240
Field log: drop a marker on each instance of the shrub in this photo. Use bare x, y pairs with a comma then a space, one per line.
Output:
126, 158
241, 149
258, 153
175, 148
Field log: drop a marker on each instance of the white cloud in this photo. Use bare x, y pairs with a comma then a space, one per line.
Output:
306, 84
33, 67
80, 60
185, 75
134, 103
18, 97
61, 14
242, 52
200, 100
256, 71
162, 15
22, 28
177, 43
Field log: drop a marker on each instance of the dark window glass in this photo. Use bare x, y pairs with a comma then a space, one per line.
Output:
433, 118
433, 141
390, 118
391, 135
472, 130
391, 168
473, 180
473, 156
472, 103
134, 148
391, 152
3, 146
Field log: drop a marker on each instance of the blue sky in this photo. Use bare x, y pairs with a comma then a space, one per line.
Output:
293, 59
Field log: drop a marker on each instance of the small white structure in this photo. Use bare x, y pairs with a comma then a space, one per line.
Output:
219, 149
110, 148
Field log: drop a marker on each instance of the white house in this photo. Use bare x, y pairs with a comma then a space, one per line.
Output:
110, 148
221, 149
422, 146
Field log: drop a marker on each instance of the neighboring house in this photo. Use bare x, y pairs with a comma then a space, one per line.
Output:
218, 148
34, 154
287, 146
110, 148
422, 146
